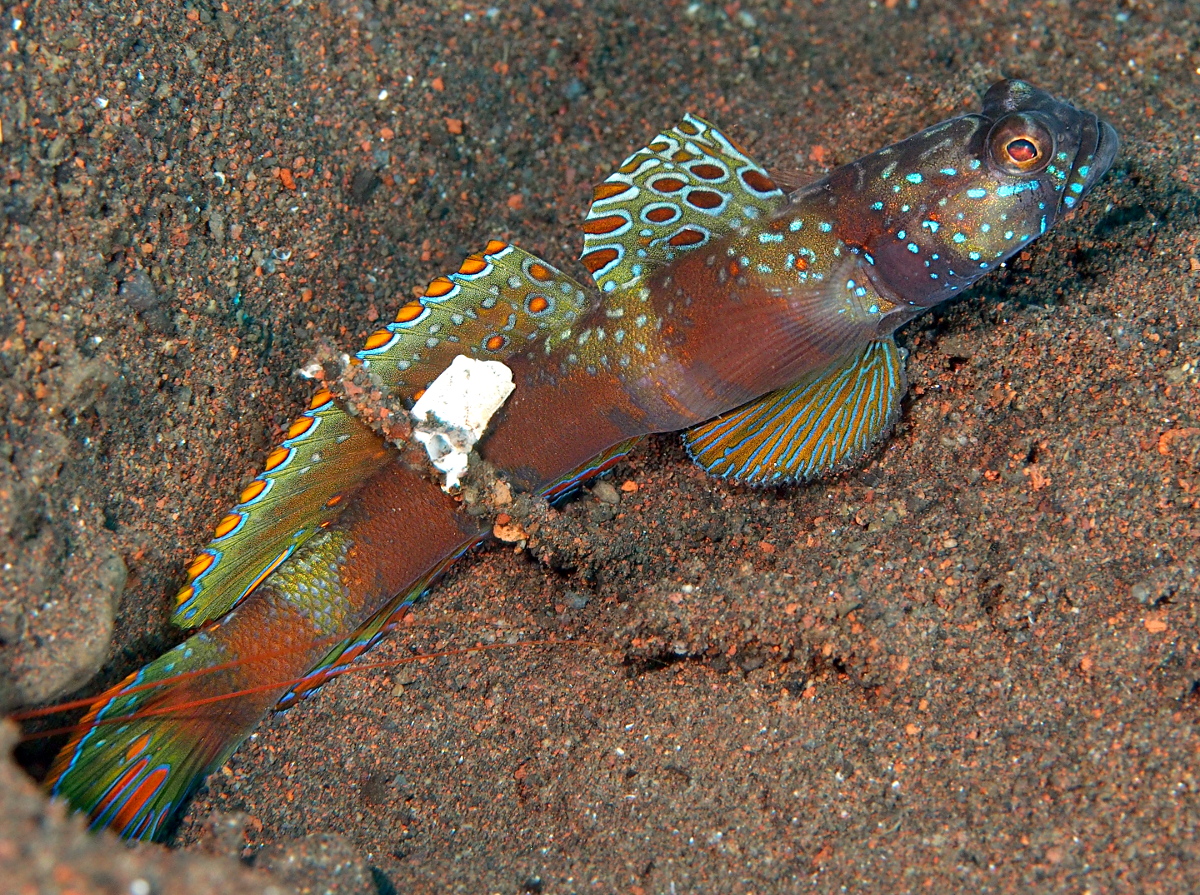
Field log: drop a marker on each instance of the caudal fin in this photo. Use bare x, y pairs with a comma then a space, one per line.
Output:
148, 743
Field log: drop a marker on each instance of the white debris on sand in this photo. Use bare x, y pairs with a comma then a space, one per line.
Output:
455, 410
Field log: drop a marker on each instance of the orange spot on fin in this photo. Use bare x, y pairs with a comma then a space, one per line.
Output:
252, 491
300, 426
277, 457
228, 524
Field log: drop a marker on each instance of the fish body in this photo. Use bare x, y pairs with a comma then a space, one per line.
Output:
759, 322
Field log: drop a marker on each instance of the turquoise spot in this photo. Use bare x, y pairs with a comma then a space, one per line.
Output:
974, 165
976, 193
913, 178
825, 226
1012, 189
1083, 171
974, 256
949, 172
900, 234
933, 276
770, 237
984, 228
931, 226
1077, 188
912, 247
796, 225
877, 206
874, 309
959, 237
1008, 234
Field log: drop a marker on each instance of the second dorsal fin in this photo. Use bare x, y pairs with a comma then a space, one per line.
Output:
688, 186
496, 304
827, 420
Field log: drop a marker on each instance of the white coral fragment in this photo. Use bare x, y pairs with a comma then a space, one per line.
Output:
455, 410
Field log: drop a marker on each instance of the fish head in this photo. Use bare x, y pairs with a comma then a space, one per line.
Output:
947, 205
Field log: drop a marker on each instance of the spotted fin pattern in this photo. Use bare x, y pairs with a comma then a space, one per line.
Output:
825, 421
497, 303
326, 455
689, 185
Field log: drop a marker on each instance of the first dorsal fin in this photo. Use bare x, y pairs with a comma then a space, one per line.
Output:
827, 420
498, 303
688, 186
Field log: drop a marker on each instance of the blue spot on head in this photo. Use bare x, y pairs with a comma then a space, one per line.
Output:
959, 237
825, 226
1077, 188
949, 172
796, 225
1083, 170
974, 256
912, 247
900, 234
1008, 234
932, 226
933, 276
976, 193
877, 206
913, 178
974, 164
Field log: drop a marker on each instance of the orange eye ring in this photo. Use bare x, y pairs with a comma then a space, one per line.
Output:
1020, 144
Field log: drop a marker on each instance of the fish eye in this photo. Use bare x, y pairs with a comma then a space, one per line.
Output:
1020, 144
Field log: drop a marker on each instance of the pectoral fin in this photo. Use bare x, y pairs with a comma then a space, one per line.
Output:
825, 421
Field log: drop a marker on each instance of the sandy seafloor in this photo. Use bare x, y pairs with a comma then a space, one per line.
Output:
970, 664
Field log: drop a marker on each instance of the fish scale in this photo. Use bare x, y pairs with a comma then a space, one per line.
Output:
760, 322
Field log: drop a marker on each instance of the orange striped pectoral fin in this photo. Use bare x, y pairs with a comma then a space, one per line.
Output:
825, 421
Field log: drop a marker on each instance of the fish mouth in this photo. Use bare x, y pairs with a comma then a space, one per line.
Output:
1098, 148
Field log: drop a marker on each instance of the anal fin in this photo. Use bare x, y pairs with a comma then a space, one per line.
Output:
826, 421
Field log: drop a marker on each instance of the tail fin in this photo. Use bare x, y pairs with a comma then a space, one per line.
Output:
134, 766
